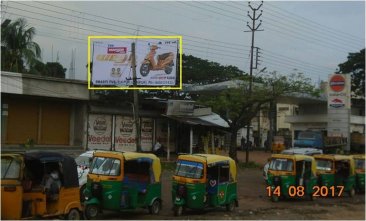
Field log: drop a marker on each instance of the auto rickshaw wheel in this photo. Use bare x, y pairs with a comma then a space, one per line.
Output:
73, 214
155, 207
230, 206
91, 211
352, 192
178, 210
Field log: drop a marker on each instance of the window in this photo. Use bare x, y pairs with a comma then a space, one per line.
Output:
360, 164
325, 165
10, 168
306, 135
189, 169
281, 164
106, 166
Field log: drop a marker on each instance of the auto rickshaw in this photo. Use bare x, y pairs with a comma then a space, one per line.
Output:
289, 173
360, 171
204, 180
123, 181
278, 144
336, 170
39, 184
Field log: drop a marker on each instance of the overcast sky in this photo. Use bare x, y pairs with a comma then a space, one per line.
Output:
312, 37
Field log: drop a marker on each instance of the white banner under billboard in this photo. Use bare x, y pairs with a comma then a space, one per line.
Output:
156, 62
100, 131
147, 126
125, 135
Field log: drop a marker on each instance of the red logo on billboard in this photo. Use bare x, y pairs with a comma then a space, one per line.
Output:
336, 100
337, 83
117, 50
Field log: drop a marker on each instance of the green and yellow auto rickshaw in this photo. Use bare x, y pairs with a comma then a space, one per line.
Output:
291, 176
123, 181
336, 171
39, 184
204, 180
360, 171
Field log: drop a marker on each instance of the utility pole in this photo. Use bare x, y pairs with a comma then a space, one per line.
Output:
253, 29
136, 101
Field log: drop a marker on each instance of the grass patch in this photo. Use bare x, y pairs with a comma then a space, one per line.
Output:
170, 166
250, 164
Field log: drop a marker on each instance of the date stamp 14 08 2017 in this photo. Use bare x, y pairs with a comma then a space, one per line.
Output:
299, 191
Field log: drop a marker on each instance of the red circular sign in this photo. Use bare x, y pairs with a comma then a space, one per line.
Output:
337, 83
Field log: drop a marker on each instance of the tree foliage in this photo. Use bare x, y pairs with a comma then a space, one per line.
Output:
237, 106
200, 71
17, 46
355, 65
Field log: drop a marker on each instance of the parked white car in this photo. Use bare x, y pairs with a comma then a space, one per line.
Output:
296, 150
83, 161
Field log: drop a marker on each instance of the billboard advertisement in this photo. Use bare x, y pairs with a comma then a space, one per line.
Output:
112, 62
156, 62
100, 131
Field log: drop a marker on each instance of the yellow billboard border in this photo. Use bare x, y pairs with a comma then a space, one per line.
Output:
136, 37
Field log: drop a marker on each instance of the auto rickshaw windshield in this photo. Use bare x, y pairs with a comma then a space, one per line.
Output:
360, 164
189, 169
325, 165
10, 168
105, 166
281, 164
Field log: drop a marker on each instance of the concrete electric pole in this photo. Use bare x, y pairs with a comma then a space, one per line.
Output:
253, 29
136, 100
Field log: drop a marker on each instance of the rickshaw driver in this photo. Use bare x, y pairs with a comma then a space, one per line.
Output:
52, 185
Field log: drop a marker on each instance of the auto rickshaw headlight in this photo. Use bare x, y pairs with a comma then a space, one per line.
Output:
86, 198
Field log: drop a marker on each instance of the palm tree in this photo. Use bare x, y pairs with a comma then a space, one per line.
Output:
17, 46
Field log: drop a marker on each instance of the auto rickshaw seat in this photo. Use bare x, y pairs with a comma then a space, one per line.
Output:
140, 181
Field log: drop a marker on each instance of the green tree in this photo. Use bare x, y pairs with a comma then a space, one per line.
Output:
17, 46
355, 65
237, 108
199, 71
54, 69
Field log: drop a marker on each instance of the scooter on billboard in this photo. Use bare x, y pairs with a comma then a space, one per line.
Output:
164, 62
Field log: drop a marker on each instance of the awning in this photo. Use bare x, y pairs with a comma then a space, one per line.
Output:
212, 120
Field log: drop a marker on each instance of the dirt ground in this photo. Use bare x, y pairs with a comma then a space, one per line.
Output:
254, 203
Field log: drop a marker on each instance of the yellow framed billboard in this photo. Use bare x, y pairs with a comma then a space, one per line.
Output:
156, 62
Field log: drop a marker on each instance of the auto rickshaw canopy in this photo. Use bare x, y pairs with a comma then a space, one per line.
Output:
298, 157
68, 164
155, 161
358, 156
127, 156
336, 157
210, 160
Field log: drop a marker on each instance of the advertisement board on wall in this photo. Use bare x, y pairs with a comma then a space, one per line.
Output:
100, 131
156, 62
125, 135
147, 126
